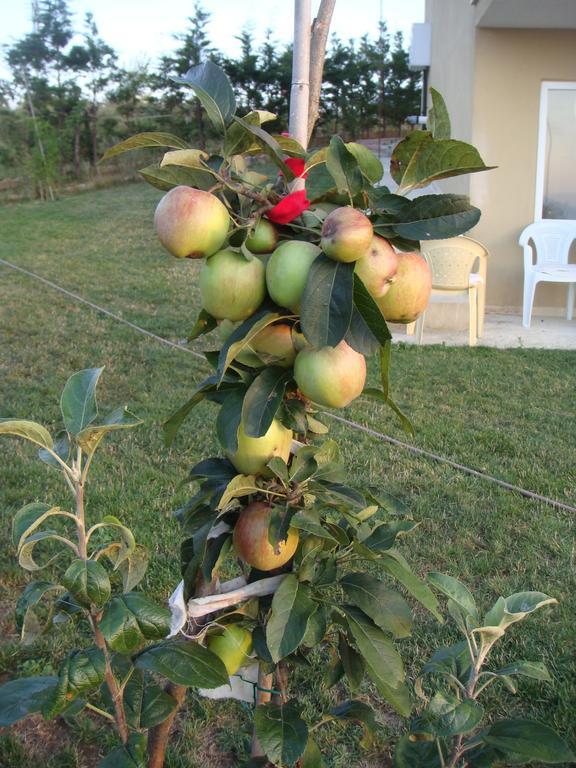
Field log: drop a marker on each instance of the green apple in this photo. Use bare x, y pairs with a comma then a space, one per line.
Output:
410, 290
287, 271
346, 234
251, 540
377, 267
330, 376
233, 647
253, 453
191, 223
231, 287
263, 238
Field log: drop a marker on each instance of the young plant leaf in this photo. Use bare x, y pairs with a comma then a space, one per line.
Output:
131, 619
291, 609
204, 324
129, 755
169, 176
267, 144
360, 337
262, 400
281, 732
327, 301
457, 592
29, 430
212, 86
344, 168
88, 582
29, 518
61, 448
536, 670
369, 164
151, 139
440, 159
184, 662
370, 312
352, 662
438, 117
28, 621
78, 400
145, 703
406, 151
121, 418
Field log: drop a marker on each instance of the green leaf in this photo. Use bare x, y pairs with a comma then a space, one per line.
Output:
19, 698
242, 336
344, 168
204, 324
431, 217
457, 592
262, 400
369, 164
88, 582
458, 718
359, 712
184, 662
168, 176
25, 551
238, 140
145, 140
327, 301
228, 420
382, 659
529, 739
131, 619
61, 448
394, 564
212, 86
438, 117
81, 672
268, 144
116, 552
291, 609
133, 567
120, 418
130, 755
384, 395
282, 733
312, 757
386, 607
28, 622
360, 337
383, 536
533, 669
416, 754
370, 312
78, 401
454, 660
29, 518
352, 662
173, 424
440, 159
405, 152
29, 430
145, 703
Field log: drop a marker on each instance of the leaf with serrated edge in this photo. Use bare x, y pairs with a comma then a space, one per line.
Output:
438, 117
281, 732
386, 607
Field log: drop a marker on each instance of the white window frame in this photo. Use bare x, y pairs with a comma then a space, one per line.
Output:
546, 87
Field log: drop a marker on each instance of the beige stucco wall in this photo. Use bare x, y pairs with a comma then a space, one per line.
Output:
510, 66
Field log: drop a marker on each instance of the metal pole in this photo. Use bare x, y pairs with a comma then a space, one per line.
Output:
299, 93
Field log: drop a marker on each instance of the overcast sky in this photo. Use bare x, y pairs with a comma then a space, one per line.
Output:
141, 30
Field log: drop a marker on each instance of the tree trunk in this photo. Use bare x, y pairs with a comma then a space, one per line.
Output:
299, 93
263, 696
320, 30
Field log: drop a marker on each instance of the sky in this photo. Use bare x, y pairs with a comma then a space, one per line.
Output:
141, 30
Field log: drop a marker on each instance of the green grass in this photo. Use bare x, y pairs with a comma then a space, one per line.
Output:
508, 413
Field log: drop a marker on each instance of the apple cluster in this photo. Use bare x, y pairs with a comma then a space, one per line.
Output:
235, 281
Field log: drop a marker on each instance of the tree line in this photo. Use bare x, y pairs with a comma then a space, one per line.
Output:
68, 98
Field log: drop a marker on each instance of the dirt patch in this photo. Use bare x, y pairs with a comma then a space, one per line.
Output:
42, 740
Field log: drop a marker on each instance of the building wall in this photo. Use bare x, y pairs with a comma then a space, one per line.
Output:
510, 66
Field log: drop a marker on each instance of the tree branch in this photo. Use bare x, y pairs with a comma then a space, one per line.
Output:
320, 30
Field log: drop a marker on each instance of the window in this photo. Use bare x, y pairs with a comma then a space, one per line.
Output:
556, 170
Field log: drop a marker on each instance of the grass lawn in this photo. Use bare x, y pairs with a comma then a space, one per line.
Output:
508, 413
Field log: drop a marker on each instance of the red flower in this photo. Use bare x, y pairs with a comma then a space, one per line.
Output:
296, 165
289, 208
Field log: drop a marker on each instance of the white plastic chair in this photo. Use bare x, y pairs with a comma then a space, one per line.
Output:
550, 242
458, 267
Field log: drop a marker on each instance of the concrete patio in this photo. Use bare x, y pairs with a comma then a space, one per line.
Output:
504, 332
